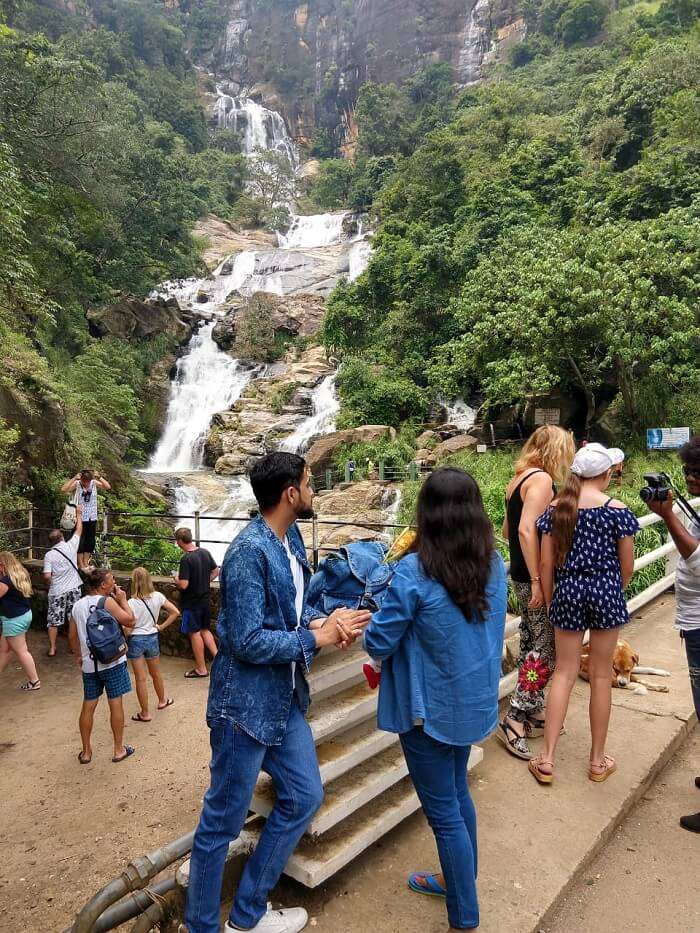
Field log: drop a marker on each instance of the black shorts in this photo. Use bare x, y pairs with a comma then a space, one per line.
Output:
87, 538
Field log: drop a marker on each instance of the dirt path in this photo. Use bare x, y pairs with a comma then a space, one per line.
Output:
647, 877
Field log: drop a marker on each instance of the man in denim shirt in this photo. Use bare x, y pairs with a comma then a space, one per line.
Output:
258, 696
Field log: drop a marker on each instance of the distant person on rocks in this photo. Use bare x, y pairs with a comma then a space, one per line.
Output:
86, 483
258, 697
439, 634
587, 560
62, 578
544, 460
687, 582
197, 571
16, 617
147, 603
112, 677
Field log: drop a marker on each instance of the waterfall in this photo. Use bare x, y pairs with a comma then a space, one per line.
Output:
324, 408
308, 232
188, 500
461, 415
358, 258
476, 42
258, 127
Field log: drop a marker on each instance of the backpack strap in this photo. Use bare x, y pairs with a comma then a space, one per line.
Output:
100, 605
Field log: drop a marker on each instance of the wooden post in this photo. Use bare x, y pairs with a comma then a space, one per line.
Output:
30, 527
314, 541
196, 528
382, 473
413, 470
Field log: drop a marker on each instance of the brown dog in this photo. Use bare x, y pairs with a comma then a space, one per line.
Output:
625, 670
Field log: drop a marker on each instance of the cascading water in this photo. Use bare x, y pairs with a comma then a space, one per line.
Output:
324, 408
310, 231
358, 258
218, 531
476, 42
461, 415
258, 127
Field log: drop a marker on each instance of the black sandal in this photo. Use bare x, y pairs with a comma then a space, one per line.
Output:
514, 743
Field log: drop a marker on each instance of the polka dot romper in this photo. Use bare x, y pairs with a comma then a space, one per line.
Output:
588, 588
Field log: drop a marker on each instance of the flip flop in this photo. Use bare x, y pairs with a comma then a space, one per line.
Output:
193, 675
168, 702
84, 761
432, 888
129, 751
137, 717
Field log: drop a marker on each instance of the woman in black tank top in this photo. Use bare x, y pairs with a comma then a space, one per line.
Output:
545, 458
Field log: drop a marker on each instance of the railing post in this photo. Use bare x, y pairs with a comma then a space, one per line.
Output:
413, 470
196, 528
347, 471
382, 473
30, 527
314, 541
329, 479
105, 538
493, 436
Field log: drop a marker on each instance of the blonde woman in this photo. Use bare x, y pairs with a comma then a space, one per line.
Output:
144, 649
544, 461
16, 617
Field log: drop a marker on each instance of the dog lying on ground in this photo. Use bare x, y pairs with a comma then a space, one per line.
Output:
625, 670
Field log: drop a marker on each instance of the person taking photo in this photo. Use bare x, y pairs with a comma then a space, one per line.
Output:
84, 486
687, 582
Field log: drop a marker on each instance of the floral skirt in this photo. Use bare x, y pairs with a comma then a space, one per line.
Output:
537, 657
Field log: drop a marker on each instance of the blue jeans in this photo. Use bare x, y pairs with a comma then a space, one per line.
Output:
692, 652
236, 761
439, 774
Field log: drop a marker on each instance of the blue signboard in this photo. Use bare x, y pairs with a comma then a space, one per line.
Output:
667, 438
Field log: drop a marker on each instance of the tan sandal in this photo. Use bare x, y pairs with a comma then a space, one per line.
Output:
608, 769
543, 777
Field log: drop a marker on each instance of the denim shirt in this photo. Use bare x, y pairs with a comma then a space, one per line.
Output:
251, 677
438, 666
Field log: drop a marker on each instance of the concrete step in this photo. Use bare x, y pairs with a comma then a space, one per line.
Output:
342, 711
348, 793
333, 673
318, 858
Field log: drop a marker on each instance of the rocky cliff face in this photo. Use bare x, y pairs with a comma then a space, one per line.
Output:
309, 60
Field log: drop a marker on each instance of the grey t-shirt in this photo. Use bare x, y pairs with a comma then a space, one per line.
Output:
688, 587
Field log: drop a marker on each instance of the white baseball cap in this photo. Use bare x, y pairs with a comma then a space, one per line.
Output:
594, 459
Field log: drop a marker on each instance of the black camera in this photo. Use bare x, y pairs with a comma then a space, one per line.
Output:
658, 488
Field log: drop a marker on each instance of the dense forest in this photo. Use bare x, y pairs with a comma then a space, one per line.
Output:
539, 232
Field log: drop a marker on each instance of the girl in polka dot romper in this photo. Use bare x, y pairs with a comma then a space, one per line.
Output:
587, 559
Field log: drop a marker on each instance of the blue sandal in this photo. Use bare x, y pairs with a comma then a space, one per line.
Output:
431, 887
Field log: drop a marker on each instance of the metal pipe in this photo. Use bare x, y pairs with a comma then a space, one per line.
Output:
149, 918
136, 875
133, 905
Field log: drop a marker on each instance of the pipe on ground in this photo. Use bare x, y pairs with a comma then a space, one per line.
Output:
134, 904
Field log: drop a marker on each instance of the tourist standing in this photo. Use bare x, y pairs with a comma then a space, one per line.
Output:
85, 485
147, 603
544, 460
587, 561
112, 677
197, 571
439, 636
258, 697
62, 577
16, 617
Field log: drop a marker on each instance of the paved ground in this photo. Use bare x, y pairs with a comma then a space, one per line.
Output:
66, 829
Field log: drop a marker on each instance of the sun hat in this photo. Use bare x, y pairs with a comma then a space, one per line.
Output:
594, 459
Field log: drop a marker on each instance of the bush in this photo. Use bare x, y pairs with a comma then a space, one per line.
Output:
374, 395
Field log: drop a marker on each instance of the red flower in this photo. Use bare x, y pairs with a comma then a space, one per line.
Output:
533, 675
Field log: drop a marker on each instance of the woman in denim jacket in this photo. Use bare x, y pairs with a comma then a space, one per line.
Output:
439, 635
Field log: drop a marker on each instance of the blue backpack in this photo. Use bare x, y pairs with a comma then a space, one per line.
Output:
355, 576
104, 635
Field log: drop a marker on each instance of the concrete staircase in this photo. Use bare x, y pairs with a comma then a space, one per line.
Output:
363, 771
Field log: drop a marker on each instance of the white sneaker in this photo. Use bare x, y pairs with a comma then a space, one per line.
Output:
288, 920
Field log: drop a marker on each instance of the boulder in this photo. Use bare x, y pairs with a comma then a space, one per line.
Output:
222, 239
452, 446
133, 318
423, 455
320, 456
232, 465
290, 316
427, 439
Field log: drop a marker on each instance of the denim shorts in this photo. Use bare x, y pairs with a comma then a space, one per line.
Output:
143, 646
115, 680
195, 618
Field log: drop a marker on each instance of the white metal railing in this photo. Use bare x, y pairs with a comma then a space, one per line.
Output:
667, 551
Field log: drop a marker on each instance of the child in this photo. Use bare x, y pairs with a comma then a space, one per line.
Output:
587, 561
401, 546
144, 648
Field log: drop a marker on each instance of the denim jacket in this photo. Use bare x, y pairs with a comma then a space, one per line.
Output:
438, 667
251, 677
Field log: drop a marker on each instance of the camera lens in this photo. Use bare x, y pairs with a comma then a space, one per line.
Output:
647, 494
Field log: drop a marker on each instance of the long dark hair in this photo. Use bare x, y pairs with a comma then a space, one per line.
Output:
455, 542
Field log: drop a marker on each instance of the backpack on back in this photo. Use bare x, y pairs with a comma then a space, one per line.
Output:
356, 576
104, 635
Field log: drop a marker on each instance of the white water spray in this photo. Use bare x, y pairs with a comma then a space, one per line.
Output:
324, 408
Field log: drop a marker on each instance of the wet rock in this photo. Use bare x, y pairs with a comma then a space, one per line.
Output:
452, 446
291, 316
222, 239
427, 439
133, 318
320, 456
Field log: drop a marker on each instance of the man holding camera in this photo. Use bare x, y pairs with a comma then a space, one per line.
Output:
687, 581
